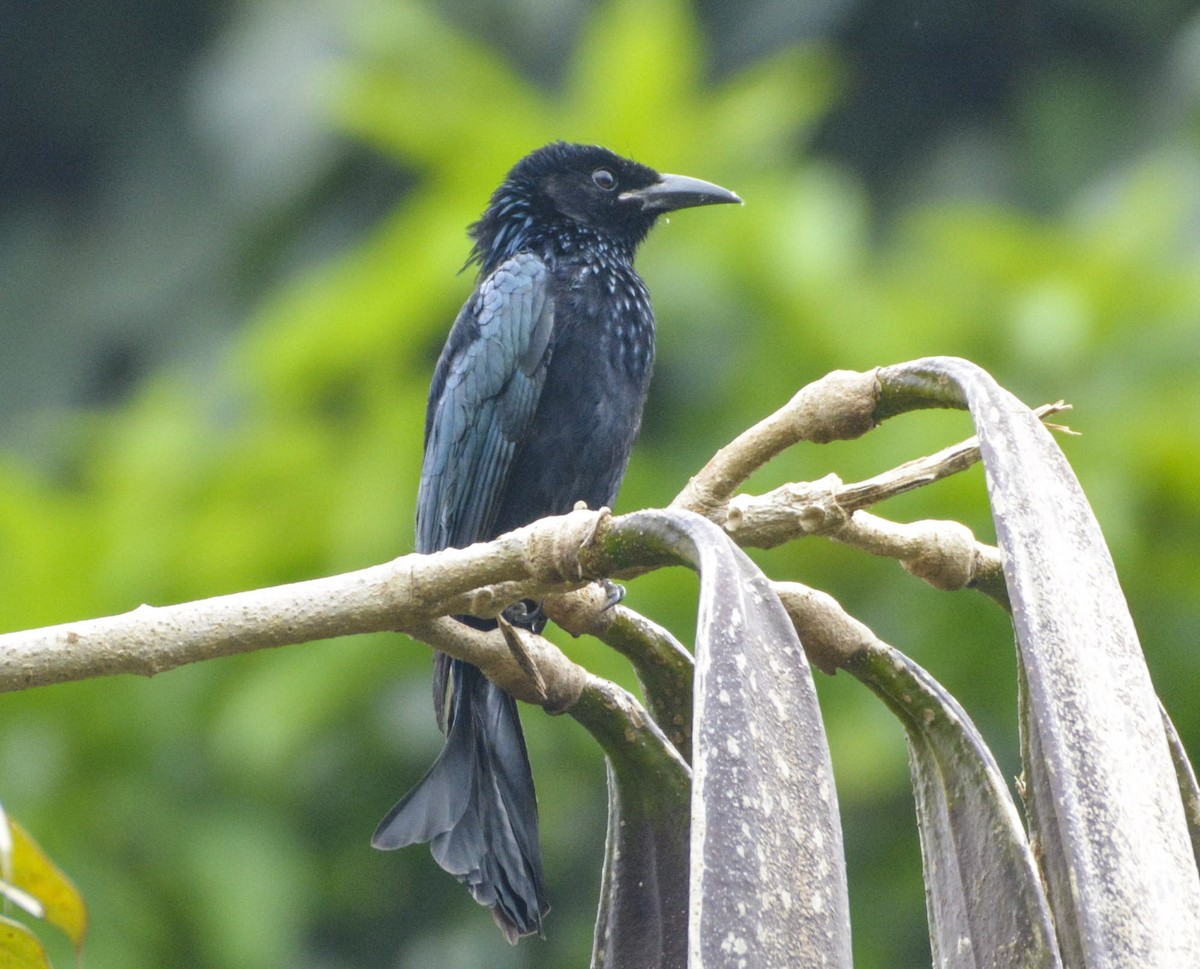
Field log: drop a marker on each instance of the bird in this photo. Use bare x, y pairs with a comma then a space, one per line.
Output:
535, 405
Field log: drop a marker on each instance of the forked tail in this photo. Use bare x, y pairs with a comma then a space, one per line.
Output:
477, 807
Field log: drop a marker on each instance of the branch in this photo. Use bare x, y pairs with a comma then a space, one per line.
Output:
663, 665
944, 554
556, 555
529, 667
409, 594
840, 406
404, 594
809, 508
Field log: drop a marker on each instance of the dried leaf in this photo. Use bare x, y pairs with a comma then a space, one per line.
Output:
987, 907
1103, 797
768, 883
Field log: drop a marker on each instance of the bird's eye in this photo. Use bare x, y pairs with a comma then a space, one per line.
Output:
604, 179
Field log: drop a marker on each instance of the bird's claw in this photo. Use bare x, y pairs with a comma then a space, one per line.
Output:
614, 593
519, 613
527, 614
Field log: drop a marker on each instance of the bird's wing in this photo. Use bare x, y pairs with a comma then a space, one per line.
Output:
485, 390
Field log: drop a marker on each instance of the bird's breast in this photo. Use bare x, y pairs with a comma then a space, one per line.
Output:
613, 321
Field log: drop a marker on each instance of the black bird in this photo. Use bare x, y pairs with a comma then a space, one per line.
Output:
535, 405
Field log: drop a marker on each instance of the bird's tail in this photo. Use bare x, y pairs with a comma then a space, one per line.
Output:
477, 806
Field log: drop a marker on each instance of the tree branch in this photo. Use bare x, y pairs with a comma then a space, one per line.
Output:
839, 406
406, 593
663, 666
548, 560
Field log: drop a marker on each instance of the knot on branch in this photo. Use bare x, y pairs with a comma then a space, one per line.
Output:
945, 557
791, 510
526, 666
539, 673
486, 602
838, 407
553, 549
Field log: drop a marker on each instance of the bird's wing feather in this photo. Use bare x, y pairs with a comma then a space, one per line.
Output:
485, 391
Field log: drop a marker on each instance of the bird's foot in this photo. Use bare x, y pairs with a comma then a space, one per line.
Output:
527, 614
614, 593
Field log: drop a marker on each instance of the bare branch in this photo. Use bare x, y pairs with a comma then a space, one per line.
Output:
928, 469
664, 667
408, 594
839, 406
405, 593
824, 506
535, 671
943, 553
552, 556
832, 638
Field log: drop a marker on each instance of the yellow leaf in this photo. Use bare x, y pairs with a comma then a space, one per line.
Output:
34, 873
19, 948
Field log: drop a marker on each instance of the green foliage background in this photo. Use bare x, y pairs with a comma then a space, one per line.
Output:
219, 816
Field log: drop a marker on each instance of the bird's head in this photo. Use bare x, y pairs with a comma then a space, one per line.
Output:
562, 187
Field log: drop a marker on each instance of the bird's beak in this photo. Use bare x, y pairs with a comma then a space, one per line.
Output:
673, 192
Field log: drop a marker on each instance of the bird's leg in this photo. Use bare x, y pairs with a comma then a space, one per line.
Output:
613, 592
